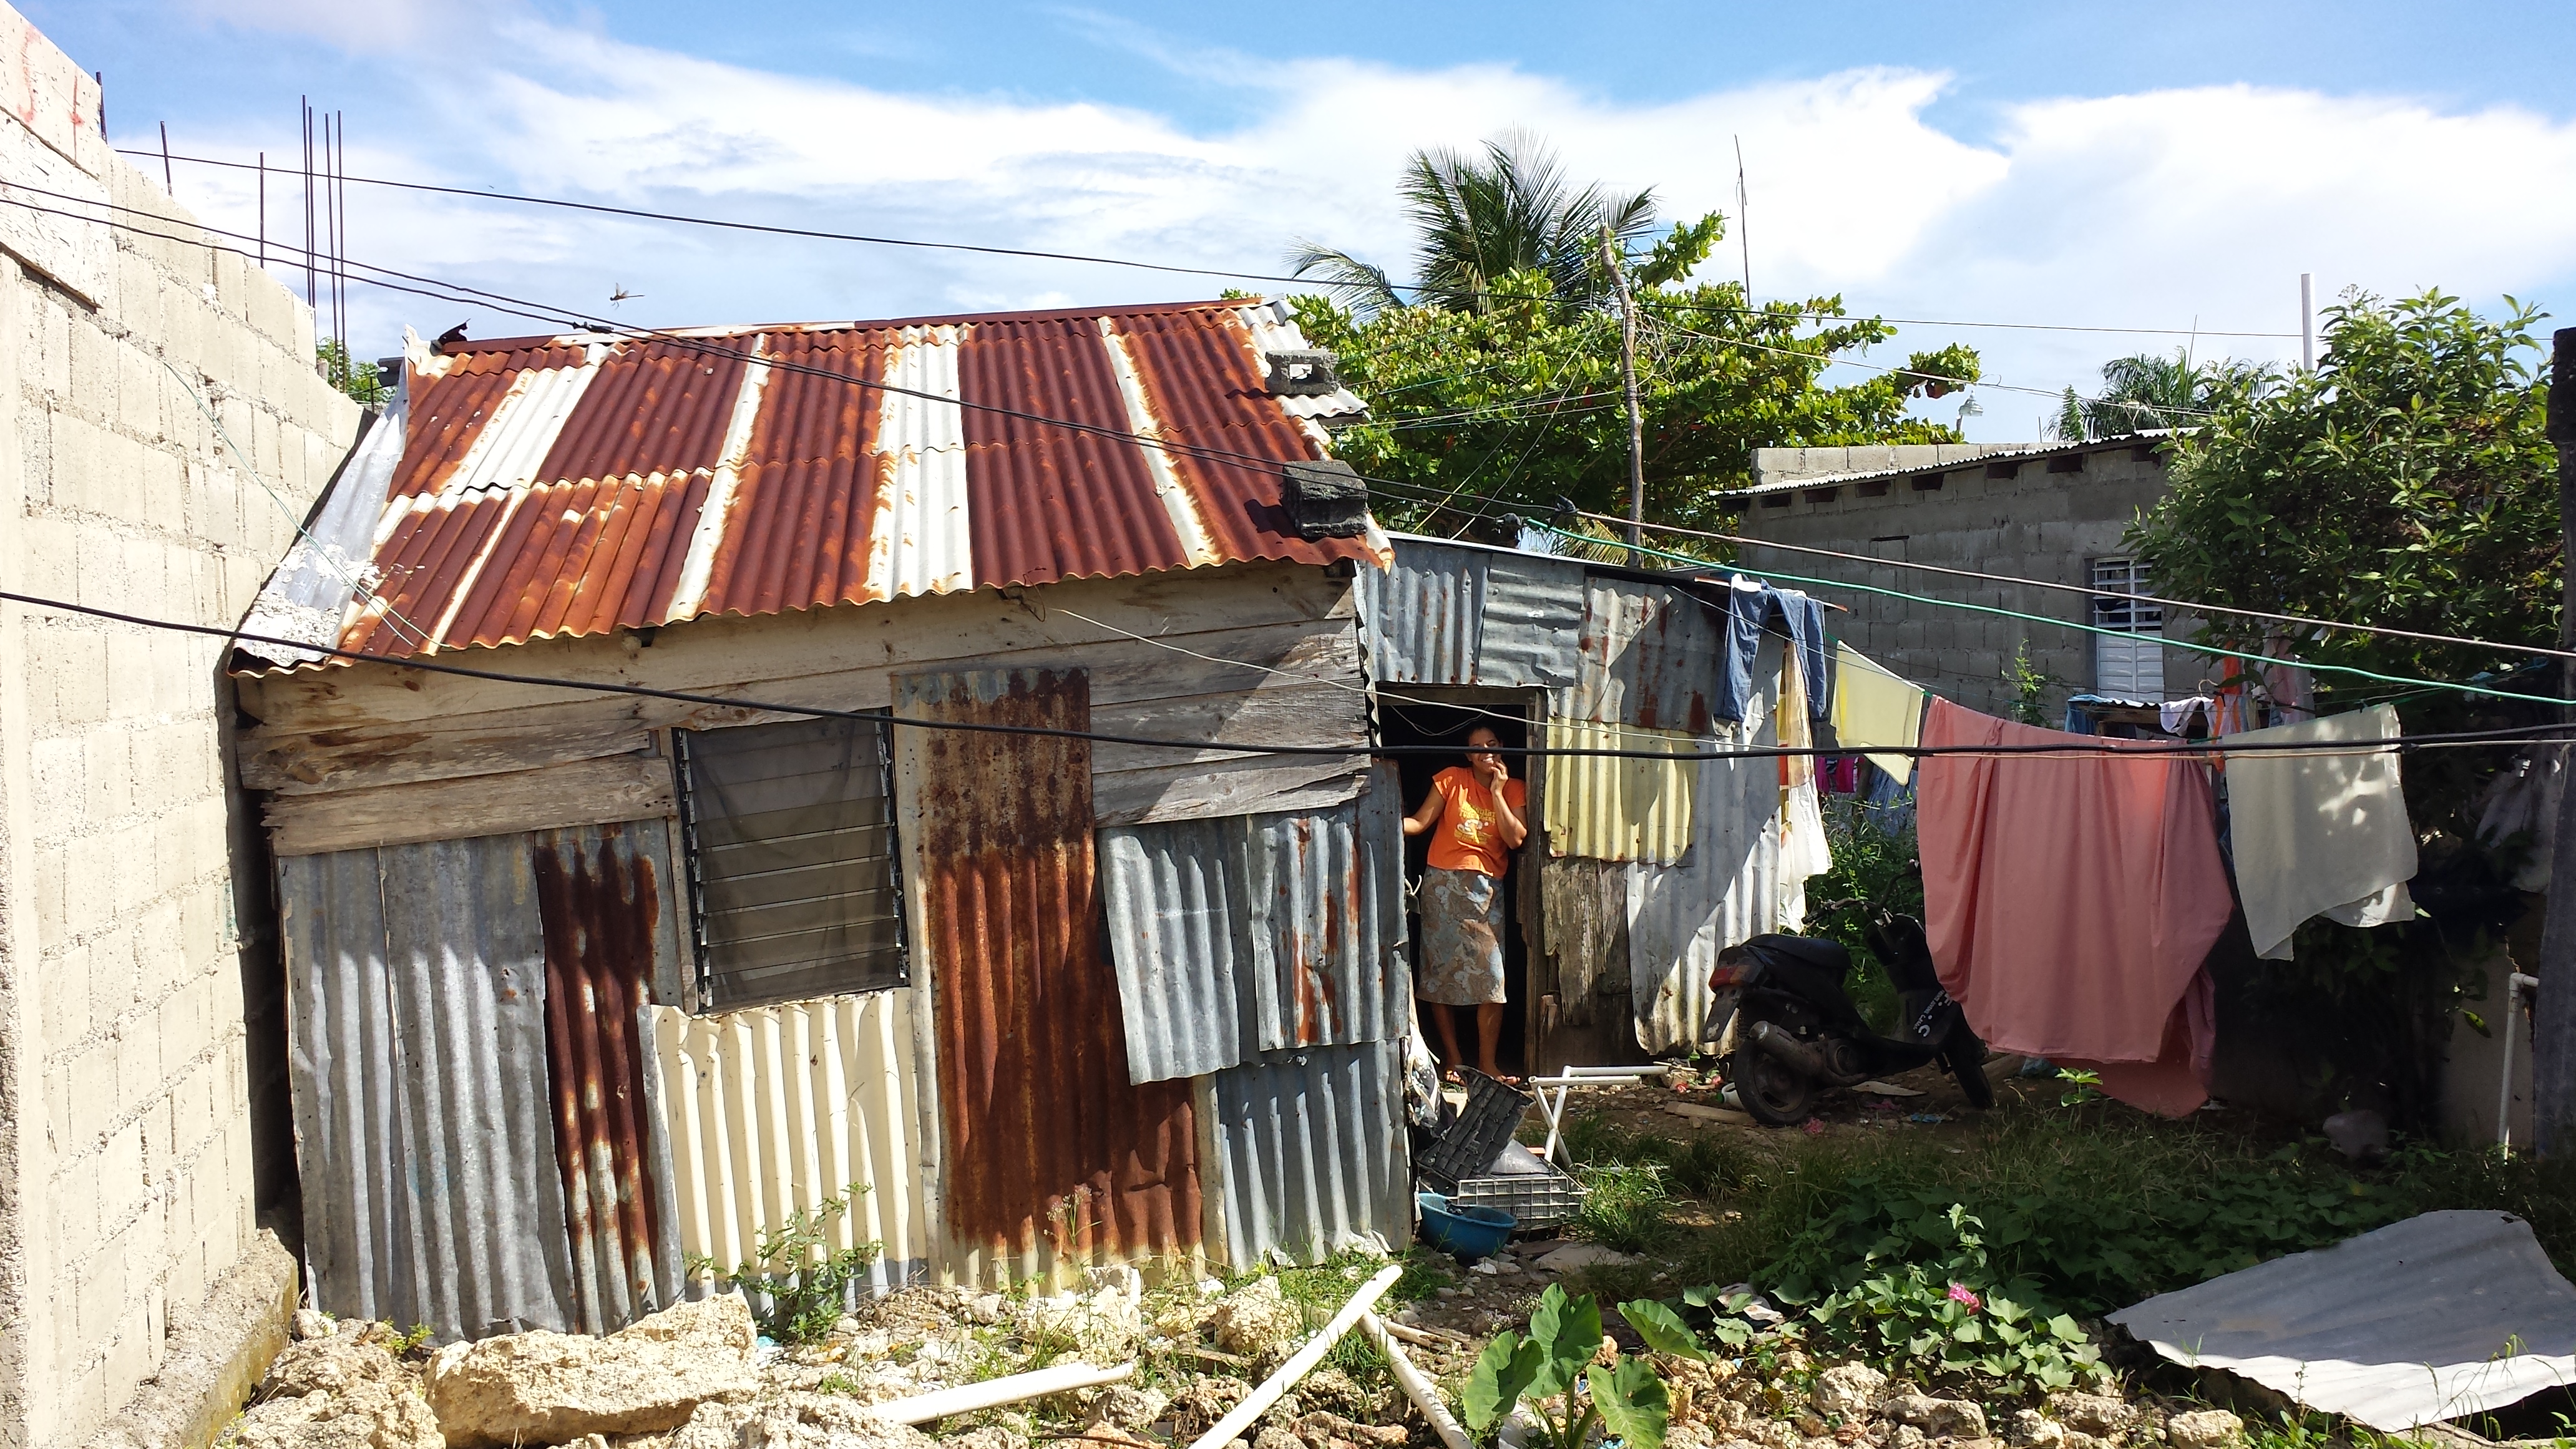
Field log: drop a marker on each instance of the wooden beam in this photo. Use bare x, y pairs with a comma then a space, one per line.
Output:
582, 792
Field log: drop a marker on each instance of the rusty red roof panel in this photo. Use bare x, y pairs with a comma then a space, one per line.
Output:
571, 485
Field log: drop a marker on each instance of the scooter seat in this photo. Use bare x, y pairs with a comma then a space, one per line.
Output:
1813, 952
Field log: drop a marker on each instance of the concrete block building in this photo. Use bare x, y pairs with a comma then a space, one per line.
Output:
2056, 514
162, 432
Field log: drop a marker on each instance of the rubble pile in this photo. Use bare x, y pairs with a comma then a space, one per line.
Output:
1719, 1406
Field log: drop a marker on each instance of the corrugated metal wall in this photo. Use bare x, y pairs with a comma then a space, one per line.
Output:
1450, 614
1649, 657
434, 1180
1313, 1151
1608, 807
774, 1108
1050, 1155
1258, 933
1725, 891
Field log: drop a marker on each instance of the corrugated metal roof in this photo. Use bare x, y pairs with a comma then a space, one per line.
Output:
1051, 1156
1446, 614
427, 1018
1725, 890
1312, 1145
1609, 807
570, 485
772, 1109
1247, 934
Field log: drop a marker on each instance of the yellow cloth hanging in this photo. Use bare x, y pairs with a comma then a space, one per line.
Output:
1873, 708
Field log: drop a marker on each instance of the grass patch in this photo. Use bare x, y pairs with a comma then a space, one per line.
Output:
1625, 1206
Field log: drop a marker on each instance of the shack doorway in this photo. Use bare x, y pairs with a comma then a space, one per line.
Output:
1441, 715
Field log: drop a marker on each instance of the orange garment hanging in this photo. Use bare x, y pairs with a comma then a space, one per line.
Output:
2071, 899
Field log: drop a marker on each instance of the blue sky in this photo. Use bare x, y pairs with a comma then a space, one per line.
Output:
2162, 167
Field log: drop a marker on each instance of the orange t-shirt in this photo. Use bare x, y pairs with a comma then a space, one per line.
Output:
1468, 836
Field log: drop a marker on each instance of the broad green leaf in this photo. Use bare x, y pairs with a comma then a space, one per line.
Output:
1632, 1402
1502, 1374
2066, 1328
1662, 1329
1568, 1332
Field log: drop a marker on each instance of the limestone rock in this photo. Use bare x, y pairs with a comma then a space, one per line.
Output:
308, 1324
2100, 1415
1129, 1406
825, 1421
1100, 1327
2205, 1429
1906, 1436
366, 1416
546, 1388
1258, 1322
1850, 1390
2034, 1430
1938, 1418
1274, 1437
335, 1365
991, 1436
712, 1426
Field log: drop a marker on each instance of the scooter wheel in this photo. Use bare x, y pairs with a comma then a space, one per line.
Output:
1965, 1056
1771, 1091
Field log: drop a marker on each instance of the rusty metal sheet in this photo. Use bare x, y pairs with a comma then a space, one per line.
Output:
774, 1108
1253, 933
1314, 1154
1052, 1157
423, 986
1649, 656
571, 485
606, 909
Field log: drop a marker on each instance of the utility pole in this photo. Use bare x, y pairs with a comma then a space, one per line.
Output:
1636, 419
2553, 1011
2308, 321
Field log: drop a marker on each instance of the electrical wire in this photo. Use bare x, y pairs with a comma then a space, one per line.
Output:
2517, 736
810, 234
2456, 686
2187, 605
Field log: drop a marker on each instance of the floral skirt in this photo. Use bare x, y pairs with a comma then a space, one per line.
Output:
1462, 937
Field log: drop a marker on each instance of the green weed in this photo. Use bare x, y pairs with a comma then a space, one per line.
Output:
795, 1270
1624, 1207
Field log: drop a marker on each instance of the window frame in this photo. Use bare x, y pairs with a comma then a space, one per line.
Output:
702, 951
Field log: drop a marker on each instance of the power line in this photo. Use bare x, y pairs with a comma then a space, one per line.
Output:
2514, 736
1824, 316
812, 234
2098, 629
2187, 605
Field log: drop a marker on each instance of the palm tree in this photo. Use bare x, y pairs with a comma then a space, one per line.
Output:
1477, 218
2145, 393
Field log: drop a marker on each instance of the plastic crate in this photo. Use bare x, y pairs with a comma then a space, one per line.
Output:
1538, 1200
1471, 1144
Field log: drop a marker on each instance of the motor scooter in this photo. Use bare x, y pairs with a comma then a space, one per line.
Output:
1798, 1034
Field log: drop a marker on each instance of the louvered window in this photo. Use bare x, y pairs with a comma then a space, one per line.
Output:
2128, 663
791, 860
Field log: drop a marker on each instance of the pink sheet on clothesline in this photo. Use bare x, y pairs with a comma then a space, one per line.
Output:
2070, 901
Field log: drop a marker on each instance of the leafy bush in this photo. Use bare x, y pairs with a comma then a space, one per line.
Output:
1947, 1312
798, 1283
1558, 1361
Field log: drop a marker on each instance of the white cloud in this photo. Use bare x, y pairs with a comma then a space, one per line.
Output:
2155, 209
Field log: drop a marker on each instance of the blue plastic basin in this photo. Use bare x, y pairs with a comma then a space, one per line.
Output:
1468, 1231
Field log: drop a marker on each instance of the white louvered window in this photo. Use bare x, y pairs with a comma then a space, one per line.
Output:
2128, 663
793, 878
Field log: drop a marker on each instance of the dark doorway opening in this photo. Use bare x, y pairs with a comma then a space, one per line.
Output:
1425, 714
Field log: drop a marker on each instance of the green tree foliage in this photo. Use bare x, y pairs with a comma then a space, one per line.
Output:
359, 380
1518, 405
2145, 393
1481, 218
2405, 483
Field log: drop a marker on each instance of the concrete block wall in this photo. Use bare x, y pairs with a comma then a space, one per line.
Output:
164, 434
2000, 515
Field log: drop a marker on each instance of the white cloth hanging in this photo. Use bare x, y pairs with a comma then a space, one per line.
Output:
2319, 834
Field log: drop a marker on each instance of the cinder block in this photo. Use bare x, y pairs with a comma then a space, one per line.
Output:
110, 772
64, 983
129, 657
94, 1083
47, 367
90, 886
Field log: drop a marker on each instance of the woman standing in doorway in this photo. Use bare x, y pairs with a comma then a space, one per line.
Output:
1475, 819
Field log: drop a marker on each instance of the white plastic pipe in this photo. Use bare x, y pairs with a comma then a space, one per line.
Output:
1299, 1364
993, 1393
1415, 1386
